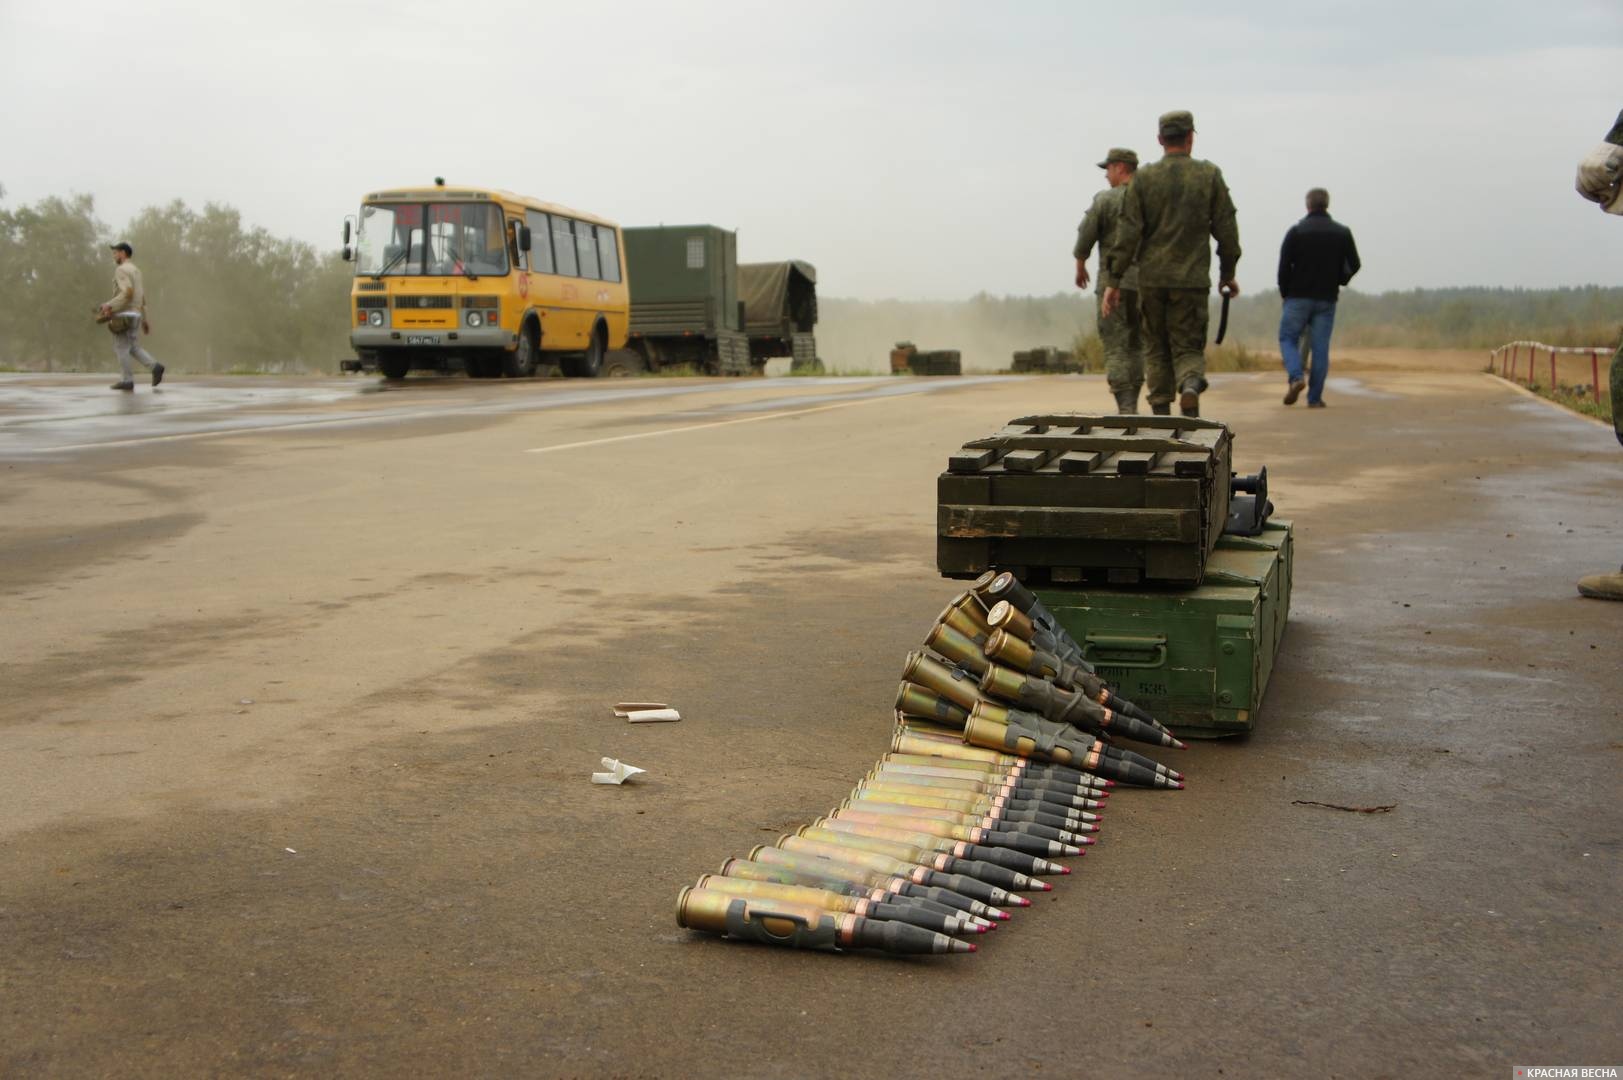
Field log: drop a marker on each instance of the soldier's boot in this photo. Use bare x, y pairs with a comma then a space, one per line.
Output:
1189, 396
1602, 586
1127, 401
1162, 410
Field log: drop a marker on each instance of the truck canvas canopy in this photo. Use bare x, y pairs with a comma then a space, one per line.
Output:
779, 298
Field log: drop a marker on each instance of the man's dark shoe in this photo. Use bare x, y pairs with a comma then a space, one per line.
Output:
1295, 391
1162, 410
123, 386
1315, 404
157, 374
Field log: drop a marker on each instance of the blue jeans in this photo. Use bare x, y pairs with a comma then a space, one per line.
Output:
1317, 317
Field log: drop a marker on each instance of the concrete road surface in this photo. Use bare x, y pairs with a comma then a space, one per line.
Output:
303, 681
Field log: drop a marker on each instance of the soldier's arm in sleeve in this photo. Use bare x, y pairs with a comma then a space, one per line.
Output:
1087, 235
1225, 230
1349, 260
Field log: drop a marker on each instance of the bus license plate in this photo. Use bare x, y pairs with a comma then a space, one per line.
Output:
422, 339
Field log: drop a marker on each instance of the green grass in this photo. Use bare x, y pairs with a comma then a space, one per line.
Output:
1580, 399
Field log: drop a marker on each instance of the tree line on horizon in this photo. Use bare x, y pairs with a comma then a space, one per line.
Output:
227, 297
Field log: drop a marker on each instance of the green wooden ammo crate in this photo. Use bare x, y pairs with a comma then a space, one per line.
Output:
1070, 498
1196, 659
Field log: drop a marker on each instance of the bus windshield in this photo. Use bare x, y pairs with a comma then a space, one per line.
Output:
460, 239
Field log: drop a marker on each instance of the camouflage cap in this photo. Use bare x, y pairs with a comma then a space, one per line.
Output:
1120, 153
1176, 124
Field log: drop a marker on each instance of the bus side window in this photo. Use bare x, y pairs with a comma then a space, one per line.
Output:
540, 240
586, 249
608, 254
563, 246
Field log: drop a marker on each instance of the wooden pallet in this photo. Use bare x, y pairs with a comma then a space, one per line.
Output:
1074, 497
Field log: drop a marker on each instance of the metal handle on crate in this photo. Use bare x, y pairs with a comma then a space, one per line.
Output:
1124, 650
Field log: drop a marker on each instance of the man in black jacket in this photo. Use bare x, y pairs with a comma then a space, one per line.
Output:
1317, 258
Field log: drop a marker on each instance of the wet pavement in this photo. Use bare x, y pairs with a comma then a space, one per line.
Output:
303, 694
43, 415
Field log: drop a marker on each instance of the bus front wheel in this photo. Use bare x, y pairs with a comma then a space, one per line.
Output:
520, 363
394, 368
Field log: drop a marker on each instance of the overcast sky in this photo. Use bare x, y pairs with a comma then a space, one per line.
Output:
919, 150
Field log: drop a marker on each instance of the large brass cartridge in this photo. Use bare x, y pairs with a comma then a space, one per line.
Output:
1020, 771
828, 900
1008, 797
1031, 742
937, 869
1026, 821
956, 647
774, 922
914, 700
1006, 683
1005, 616
972, 608
998, 867
1011, 784
889, 890
968, 621
909, 742
864, 822
1016, 652
954, 684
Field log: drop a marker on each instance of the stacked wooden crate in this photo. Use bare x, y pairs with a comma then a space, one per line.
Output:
1072, 498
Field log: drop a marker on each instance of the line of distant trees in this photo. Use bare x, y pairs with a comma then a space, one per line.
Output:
222, 296
228, 297
987, 329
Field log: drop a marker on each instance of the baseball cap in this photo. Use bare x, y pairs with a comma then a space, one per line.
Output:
1119, 153
1176, 124
124, 247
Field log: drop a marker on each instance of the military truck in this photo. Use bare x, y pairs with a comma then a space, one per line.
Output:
693, 303
780, 313
685, 306
1046, 360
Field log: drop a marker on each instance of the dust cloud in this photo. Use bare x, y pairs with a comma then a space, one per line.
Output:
857, 335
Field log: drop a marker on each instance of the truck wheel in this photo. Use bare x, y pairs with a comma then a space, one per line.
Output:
520, 363
589, 363
622, 363
394, 368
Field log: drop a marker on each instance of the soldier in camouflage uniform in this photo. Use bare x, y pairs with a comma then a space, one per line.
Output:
1600, 180
1121, 333
1169, 214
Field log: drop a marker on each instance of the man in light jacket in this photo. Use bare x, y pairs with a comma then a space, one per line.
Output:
126, 316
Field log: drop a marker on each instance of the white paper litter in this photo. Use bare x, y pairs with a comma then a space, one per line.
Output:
618, 772
646, 712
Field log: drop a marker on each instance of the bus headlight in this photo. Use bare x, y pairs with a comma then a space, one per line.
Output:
375, 318
475, 319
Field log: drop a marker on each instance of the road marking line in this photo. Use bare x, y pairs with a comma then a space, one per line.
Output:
720, 423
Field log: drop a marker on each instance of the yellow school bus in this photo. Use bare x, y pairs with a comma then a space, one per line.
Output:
485, 280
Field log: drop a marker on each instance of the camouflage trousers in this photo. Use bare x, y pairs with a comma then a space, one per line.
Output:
1617, 393
1174, 340
1123, 338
